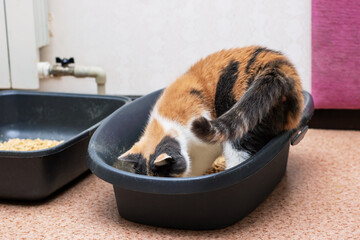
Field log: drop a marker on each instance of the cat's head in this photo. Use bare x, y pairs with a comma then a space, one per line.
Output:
156, 154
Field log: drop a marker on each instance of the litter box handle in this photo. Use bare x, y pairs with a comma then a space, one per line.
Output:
308, 111
299, 135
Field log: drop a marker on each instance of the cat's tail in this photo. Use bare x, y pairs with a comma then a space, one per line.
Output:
268, 90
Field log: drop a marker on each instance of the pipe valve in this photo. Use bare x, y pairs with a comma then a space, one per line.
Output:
65, 61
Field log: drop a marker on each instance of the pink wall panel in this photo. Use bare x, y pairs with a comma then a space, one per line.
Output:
336, 53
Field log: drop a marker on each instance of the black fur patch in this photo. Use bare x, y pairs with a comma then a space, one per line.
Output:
176, 166
265, 93
224, 98
196, 93
254, 56
137, 161
277, 63
201, 127
267, 129
292, 104
260, 67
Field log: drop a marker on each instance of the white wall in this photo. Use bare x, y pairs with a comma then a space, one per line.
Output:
145, 44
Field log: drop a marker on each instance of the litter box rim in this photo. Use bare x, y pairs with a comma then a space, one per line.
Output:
66, 144
189, 185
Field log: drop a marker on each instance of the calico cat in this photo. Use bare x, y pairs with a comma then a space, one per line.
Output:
232, 103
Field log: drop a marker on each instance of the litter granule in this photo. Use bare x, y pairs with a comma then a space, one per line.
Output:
17, 144
218, 166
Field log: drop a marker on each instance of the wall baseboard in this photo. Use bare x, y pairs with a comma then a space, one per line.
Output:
344, 119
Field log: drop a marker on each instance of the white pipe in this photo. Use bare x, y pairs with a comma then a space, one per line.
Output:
96, 72
45, 69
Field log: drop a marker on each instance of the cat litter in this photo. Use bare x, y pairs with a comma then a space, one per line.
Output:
17, 144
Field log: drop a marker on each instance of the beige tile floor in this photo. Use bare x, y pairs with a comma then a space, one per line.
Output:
319, 198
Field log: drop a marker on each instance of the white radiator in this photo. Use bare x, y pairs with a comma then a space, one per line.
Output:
23, 30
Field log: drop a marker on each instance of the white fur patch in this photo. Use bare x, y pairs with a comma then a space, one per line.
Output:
169, 126
234, 157
198, 155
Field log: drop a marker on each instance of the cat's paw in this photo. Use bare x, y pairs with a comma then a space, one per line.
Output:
206, 130
201, 127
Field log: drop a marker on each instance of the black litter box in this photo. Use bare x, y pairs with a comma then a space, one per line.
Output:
73, 118
206, 202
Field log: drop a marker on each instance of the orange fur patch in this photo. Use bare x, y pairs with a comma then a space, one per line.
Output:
153, 134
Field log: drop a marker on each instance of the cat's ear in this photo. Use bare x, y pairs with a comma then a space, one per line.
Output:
163, 159
127, 158
132, 162
130, 159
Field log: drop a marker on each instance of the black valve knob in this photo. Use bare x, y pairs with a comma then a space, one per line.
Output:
64, 61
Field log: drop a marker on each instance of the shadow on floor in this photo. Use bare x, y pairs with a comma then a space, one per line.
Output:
52, 196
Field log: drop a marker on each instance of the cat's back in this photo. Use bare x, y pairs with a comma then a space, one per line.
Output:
237, 64
216, 82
